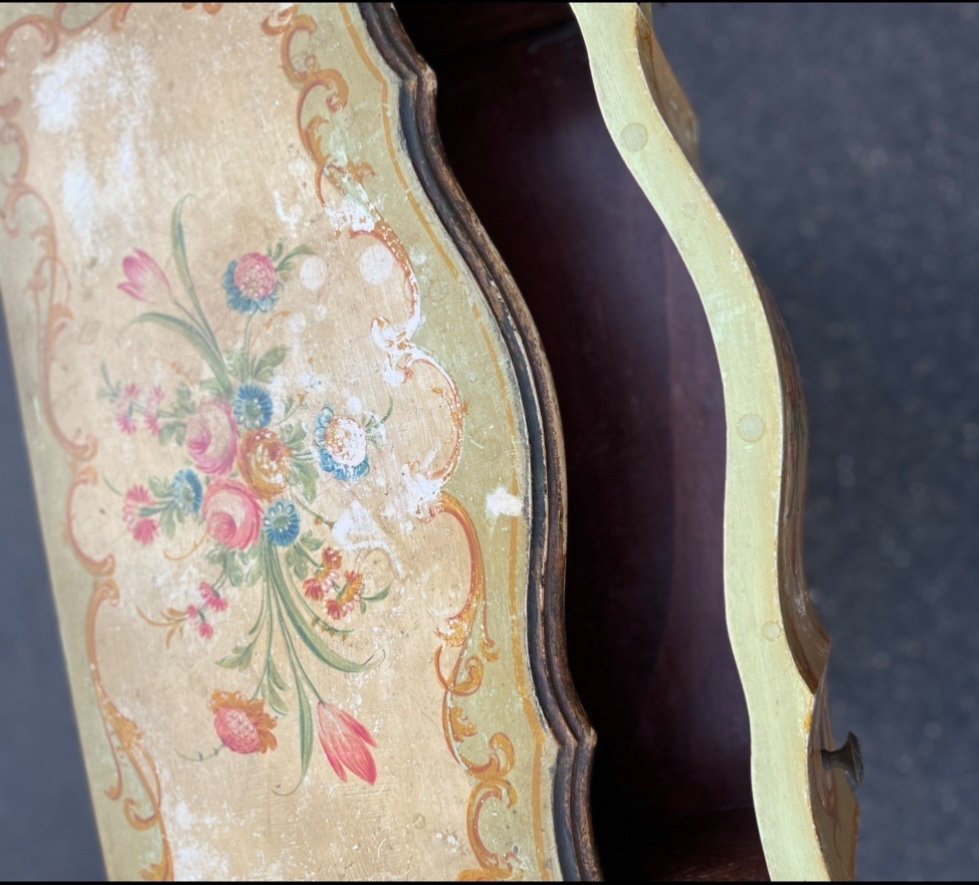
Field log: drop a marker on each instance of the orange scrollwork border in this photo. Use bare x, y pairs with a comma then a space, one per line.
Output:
328, 87
324, 93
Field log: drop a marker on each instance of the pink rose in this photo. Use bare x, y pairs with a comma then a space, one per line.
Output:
232, 514
145, 279
212, 438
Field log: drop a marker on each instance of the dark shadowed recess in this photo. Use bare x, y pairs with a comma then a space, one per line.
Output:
640, 398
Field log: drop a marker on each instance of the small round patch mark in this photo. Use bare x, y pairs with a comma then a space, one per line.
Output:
634, 137
751, 428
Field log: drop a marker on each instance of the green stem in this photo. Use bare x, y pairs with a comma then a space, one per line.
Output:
306, 553
313, 513
183, 268
294, 661
111, 487
268, 638
200, 757
285, 259
297, 617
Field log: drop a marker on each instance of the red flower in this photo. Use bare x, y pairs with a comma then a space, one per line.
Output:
212, 599
145, 280
345, 742
152, 424
205, 629
243, 726
313, 589
134, 513
145, 531
125, 421
332, 560
342, 605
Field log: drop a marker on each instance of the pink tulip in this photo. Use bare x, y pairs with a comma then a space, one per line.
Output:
145, 279
232, 514
345, 742
212, 438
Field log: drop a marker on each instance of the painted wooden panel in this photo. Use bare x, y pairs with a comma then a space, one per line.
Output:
284, 447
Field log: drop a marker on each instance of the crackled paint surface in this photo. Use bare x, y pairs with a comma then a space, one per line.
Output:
276, 478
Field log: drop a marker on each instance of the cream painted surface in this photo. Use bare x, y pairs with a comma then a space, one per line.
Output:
123, 118
807, 818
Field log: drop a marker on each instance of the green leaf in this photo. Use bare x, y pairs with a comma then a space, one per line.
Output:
304, 475
185, 401
297, 562
311, 542
237, 362
168, 432
233, 569
179, 246
264, 370
274, 698
305, 730
167, 522
197, 340
212, 387
239, 659
377, 597
276, 678
160, 488
284, 266
303, 628
293, 435
329, 628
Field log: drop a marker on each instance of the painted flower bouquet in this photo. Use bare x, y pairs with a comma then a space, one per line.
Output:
248, 488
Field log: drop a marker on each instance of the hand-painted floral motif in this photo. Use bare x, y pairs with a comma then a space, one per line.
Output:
342, 443
243, 726
249, 487
345, 742
253, 281
145, 281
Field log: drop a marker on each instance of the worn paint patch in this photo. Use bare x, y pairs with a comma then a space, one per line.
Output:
502, 503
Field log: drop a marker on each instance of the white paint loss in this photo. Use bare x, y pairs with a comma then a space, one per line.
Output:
502, 503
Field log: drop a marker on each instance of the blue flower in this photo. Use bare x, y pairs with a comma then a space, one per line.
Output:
281, 523
252, 283
342, 444
252, 407
187, 492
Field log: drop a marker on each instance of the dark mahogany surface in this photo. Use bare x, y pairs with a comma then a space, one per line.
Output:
640, 397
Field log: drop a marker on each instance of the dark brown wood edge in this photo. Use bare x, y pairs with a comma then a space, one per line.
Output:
545, 593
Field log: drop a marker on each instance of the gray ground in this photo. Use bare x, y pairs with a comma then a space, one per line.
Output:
842, 143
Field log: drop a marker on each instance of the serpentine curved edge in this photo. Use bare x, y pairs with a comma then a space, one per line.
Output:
545, 593
807, 813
